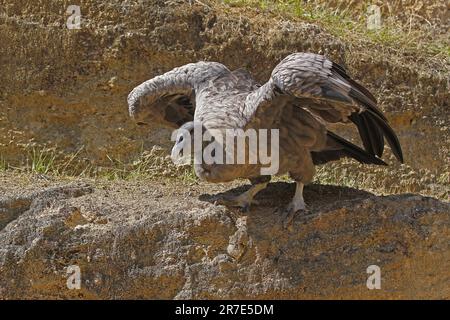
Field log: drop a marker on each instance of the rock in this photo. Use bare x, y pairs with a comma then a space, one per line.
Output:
162, 248
14, 207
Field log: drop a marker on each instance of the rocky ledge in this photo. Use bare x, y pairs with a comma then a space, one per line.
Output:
158, 240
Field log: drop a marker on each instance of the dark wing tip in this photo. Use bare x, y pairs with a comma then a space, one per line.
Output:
389, 134
354, 151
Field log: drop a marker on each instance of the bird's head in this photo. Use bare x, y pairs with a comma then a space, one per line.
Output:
191, 139
184, 137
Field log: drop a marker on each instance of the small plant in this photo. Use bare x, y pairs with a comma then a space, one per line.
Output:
344, 24
43, 161
3, 164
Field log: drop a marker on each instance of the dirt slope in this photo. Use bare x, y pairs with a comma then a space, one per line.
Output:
66, 90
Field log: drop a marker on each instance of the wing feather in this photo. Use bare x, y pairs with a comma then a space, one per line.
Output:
169, 99
326, 90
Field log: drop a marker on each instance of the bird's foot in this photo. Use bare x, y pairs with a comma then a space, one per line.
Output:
241, 201
290, 212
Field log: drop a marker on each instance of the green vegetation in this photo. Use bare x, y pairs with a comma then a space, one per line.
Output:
157, 165
350, 26
42, 162
3, 164
152, 164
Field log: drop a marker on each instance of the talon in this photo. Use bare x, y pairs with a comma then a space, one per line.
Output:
278, 211
225, 201
287, 217
236, 201
297, 205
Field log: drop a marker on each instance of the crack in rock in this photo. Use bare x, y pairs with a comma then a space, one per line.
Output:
240, 240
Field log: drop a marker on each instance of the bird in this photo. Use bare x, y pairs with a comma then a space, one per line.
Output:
306, 92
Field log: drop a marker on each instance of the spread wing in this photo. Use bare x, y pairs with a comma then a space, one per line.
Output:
324, 89
169, 99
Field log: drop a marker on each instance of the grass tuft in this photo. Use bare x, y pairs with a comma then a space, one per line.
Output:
151, 164
350, 26
42, 162
3, 164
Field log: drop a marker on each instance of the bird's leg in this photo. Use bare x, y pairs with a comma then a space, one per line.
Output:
244, 200
297, 204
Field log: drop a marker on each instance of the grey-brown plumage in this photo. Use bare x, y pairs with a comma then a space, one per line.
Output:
304, 93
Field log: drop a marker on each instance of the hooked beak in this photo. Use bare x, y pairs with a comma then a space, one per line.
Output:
178, 157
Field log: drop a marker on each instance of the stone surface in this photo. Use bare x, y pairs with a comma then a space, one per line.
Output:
153, 240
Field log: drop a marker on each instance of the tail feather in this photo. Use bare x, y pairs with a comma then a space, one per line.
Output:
372, 125
364, 132
342, 148
373, 129
389, 134
375, 135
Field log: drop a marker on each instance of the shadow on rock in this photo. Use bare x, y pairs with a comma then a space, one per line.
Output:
280, 193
